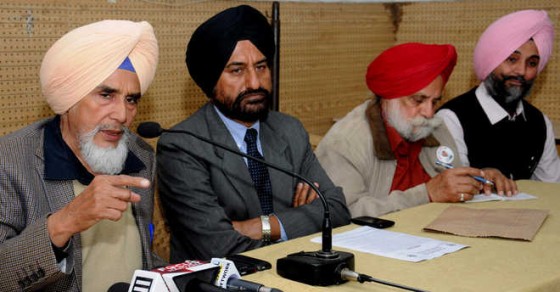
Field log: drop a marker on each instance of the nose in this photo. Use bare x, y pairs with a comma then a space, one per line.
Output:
252, 79
519, 69
427, 110
119, 111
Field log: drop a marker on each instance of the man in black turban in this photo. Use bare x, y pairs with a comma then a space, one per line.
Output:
218, 203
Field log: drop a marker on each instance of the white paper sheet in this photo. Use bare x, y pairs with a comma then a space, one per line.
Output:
392, 244
495, 197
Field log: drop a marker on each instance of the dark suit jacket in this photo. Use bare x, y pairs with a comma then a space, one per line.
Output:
203, 188
27, 260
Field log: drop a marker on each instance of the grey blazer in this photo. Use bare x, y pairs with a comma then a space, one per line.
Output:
203, 188
27, 260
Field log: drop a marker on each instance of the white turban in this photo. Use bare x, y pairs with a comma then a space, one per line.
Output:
510, 32
86, 56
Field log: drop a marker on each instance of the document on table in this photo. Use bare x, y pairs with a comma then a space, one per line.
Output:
393, 244
495, 197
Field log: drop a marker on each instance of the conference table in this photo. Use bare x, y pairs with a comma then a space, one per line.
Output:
488, 264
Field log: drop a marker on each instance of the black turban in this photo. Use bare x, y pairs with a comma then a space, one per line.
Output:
213, 42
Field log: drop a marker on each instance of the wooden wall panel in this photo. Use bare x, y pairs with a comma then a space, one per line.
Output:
324, 52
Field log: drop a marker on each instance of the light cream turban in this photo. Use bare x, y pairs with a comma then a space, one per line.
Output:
86, 56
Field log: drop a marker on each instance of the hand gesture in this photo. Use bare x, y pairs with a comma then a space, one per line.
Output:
107, 197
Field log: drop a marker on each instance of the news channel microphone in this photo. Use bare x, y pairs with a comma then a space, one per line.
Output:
229, 278
192, 275
319, 268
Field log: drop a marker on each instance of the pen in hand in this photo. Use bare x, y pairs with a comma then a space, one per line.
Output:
476, 177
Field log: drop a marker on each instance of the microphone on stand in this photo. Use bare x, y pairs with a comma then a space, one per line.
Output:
320, 268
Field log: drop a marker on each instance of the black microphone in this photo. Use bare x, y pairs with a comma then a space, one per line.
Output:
149, 130
201, 286
198, 281
235, 284
321, 267
119, 287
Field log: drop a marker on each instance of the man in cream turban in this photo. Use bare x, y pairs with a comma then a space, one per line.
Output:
492, 123
76, 194
384, 152
218, 203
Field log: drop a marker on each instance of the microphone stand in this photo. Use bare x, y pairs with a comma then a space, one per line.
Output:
323, 267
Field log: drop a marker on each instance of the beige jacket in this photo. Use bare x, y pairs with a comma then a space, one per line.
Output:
364, 166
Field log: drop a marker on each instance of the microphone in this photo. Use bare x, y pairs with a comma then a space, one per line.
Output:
192, 275
229, 278
201, 286
243, 285
119, 287
315, 268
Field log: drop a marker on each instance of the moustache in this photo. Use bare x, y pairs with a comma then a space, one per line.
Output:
249, 92
425, 122
107, 127
520, 79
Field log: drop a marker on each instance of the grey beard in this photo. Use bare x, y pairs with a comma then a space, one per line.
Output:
104, 160
411, 130
507, 97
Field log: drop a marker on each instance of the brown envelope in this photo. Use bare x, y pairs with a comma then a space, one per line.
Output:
504, 223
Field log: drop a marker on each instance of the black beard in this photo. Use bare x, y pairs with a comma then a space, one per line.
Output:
236, 112
508, 98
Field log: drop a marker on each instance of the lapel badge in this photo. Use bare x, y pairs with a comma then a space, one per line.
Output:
445, 154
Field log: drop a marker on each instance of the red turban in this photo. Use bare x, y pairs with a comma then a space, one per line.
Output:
407, 68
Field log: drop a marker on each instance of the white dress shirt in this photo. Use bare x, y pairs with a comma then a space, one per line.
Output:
548, 168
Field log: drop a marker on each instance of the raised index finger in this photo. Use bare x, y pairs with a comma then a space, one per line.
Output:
123, 180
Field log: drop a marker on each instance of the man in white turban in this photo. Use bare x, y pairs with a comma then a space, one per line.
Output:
492, 124
76, 195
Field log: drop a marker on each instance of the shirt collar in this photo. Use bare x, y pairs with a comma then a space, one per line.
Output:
238, 130
493, 110
62, 164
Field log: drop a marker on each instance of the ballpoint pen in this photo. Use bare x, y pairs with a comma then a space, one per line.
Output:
476, 177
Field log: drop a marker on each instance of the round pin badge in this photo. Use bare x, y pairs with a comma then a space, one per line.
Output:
445, 154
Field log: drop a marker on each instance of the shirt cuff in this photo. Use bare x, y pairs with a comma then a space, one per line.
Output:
283, 235
61, 254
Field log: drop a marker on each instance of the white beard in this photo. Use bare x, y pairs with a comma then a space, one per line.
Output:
410, 129
104, 160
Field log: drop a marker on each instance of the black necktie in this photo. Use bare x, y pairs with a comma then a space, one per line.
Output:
259, 173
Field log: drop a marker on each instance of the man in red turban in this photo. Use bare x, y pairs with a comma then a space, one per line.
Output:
385, 152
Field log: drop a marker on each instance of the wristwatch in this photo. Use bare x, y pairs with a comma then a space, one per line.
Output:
265, 221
